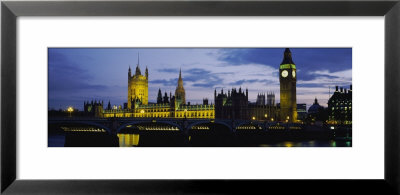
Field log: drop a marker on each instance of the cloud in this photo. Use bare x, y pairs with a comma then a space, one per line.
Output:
262, 56
306, 59
327, 78
67, 76
168, 70
199, 77
251, 81
165, 82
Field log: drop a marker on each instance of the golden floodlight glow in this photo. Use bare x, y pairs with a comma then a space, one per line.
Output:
70, 109
266, 115
142, 111
254, 118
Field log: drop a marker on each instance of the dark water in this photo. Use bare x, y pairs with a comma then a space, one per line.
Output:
56, 141
132, 140
311, 143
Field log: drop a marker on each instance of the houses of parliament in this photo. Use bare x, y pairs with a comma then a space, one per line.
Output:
233, 104
172, 106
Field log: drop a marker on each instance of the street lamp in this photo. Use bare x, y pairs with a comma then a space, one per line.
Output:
70, 110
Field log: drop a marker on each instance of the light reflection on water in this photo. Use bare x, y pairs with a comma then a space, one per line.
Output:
130, 140
312, 143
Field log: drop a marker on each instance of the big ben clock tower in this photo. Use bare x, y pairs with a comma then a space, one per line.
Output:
287, 79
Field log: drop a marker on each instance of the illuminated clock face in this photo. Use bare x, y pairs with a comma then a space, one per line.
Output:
284, 73
294, 73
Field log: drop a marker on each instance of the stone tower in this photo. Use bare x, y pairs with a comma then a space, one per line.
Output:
271, 99
288, 79
138, 90
180, 92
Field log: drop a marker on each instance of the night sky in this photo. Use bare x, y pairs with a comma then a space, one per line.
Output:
79, 74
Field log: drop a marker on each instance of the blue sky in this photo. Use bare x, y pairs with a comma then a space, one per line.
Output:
79, 74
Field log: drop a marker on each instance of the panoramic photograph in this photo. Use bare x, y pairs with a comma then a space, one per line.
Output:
200, 97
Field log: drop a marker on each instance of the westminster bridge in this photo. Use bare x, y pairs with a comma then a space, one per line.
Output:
181, 131
116, 125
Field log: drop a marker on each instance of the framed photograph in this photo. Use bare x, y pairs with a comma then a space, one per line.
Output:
193, 113
199, 97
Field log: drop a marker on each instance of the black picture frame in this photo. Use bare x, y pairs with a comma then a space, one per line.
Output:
11, 10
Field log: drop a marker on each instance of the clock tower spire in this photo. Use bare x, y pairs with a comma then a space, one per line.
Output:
287, 80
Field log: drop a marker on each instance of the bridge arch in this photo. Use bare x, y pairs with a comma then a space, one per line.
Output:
257, 124
209, 121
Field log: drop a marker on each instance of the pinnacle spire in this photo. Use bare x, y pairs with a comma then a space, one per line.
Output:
146, 73
138, 72
180, 73
287, 57
138, 59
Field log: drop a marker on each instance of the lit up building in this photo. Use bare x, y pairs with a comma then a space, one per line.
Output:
287, 80
93, 108
180, 97
138, 87
301, 112
232, 105
138, 105
339, 106
235, 105
262, 110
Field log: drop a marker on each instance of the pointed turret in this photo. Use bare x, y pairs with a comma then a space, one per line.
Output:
180, 81
146, 73
166, 101
159, 97
180, 91
138, 72
180, 75
109, 105
287, 57
138, 58
129, 72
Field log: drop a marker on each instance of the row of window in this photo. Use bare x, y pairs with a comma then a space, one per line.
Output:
195, 114
341, 108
